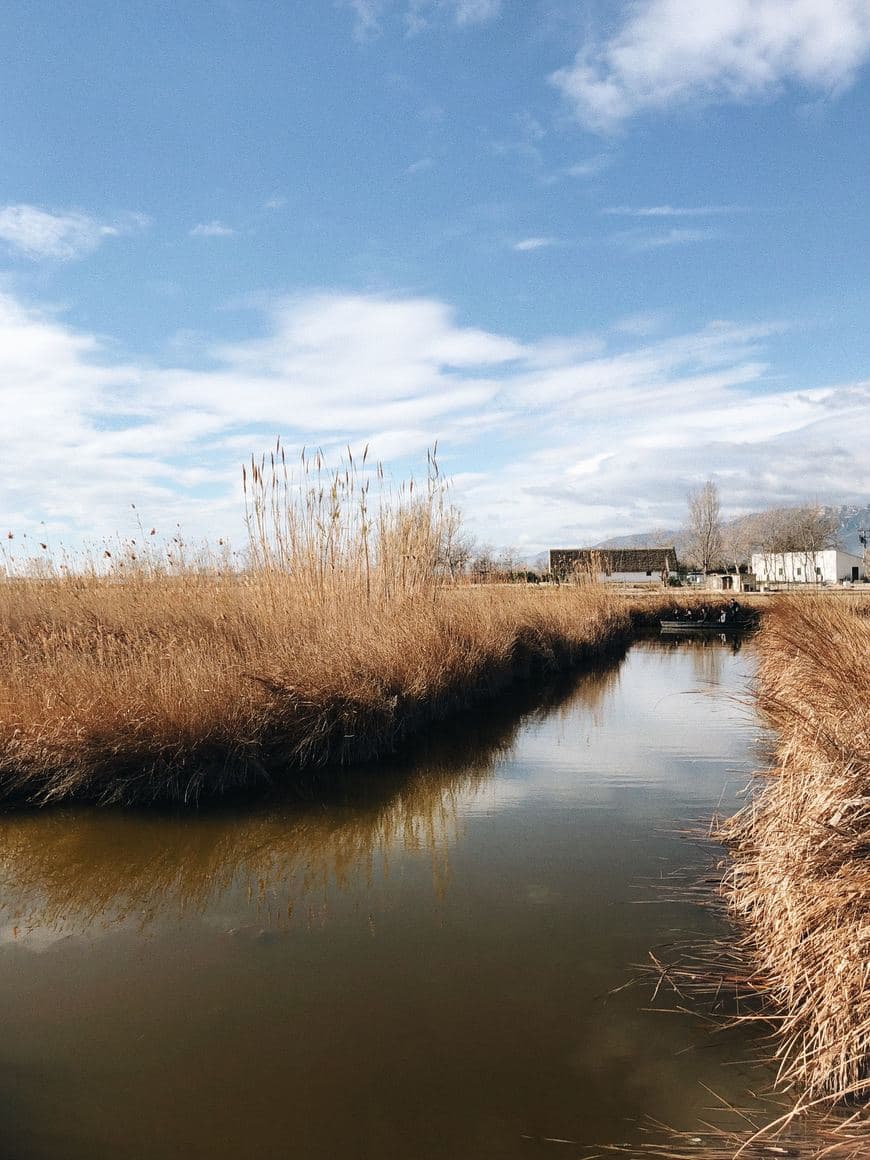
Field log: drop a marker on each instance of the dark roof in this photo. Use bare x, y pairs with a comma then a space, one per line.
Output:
613, 559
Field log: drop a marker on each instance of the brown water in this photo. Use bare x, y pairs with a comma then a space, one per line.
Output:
416, 964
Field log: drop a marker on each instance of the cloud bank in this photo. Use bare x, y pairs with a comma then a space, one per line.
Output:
560, 440
669, 53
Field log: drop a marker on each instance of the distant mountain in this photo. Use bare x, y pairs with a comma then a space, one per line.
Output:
851, 519
659, 537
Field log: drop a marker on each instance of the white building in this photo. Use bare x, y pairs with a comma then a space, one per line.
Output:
828, 566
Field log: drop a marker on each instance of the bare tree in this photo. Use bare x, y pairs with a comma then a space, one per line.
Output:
806, 529
510, 563
739, 537
704, 533
813, 528
455, 547
482, 564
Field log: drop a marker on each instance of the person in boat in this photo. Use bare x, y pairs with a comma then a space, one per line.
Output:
734, 610
703, 612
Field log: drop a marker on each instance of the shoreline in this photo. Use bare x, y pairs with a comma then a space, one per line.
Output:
798, 883
175, 691
795, 884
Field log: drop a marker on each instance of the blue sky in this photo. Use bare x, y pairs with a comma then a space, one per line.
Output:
599, 251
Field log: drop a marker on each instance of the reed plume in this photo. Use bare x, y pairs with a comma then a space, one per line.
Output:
143, 674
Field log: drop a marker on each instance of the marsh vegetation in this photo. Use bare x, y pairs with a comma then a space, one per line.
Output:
797, 887
800, 879
149, 676
156, 675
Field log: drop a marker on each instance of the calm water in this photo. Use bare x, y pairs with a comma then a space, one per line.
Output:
419, 967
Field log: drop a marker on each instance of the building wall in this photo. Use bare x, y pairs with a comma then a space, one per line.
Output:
633, 577
731, 581
825, 567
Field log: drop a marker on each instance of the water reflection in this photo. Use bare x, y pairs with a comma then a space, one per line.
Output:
709, 652
424, 959
84, 871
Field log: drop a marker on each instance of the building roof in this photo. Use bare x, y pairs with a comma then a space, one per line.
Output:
610, 560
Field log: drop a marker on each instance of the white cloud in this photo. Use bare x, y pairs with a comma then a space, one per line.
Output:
534, 244
367, 15
419, 15
671, 52
635, 240
641, 324
669, 211
213, 229
591, 167
476, 11
564, 439
420, 166
38, 233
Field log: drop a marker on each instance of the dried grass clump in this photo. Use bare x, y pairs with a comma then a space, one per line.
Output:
800, 878
809, 1137
149, 678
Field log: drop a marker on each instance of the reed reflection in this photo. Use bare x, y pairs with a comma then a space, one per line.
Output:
86, 872
708, 652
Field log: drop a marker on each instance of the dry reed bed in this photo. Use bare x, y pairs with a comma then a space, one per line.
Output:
143, 676
157, 687
799, 879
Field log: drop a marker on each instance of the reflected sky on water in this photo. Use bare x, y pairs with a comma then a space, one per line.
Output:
413, 960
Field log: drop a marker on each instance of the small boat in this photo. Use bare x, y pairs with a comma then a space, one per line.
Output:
729, 627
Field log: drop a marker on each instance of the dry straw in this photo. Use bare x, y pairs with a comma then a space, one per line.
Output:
800, 878
144, 675
797, 882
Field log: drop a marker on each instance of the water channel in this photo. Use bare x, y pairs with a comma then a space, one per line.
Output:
424, 961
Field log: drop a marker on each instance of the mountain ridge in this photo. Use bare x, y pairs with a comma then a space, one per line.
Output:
851, 519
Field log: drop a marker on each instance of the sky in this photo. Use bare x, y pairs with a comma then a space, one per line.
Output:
598, 251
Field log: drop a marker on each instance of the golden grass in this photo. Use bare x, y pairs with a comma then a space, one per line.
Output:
175, 687
148, 678
146, 675
800, 875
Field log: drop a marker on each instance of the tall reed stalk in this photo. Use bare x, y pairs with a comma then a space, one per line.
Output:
800, 878
329, 535
144, 676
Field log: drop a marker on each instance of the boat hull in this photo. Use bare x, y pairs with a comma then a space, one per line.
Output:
710, 627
